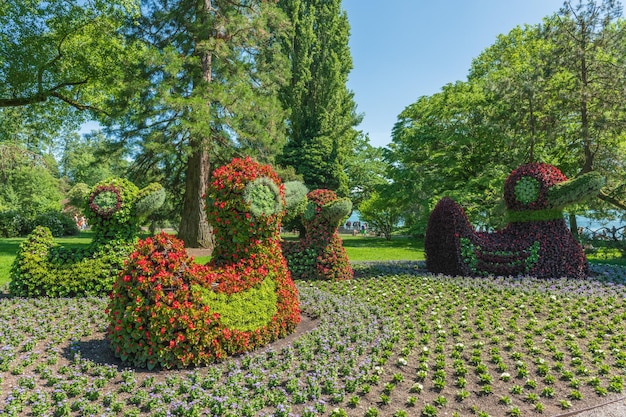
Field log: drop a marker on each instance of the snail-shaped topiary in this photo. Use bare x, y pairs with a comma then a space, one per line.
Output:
169, 312
535, 242
320, 255
114, 208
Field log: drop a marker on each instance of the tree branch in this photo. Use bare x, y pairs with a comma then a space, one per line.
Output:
604, 196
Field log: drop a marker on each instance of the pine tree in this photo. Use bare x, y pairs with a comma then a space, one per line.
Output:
206, 91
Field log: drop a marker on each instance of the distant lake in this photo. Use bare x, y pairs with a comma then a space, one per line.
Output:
595, 224
583, 221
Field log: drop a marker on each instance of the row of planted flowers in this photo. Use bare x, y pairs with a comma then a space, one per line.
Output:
394, 341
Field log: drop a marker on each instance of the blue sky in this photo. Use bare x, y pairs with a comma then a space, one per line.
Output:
405, 49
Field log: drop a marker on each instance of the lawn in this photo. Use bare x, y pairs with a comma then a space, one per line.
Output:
395, 341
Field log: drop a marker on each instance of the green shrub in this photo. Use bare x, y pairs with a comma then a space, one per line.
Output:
320, 254
14, 224
11, 224
42, 268
54, 271
60, 224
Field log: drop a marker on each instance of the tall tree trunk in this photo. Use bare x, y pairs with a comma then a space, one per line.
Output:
194, 229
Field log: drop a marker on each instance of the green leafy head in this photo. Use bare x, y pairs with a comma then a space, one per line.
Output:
527, 190
114, 207
263, 197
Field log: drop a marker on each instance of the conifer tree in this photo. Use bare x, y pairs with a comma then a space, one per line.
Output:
206, 90
323, 115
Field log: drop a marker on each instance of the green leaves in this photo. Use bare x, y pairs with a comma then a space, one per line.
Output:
68, 52
322, 110
263, 197
526, 190
246, 310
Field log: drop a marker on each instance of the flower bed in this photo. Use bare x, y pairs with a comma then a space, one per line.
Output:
167, 311
392, 344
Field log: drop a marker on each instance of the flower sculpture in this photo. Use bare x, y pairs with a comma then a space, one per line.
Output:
167, 311
320, 254
536, 240
113, 208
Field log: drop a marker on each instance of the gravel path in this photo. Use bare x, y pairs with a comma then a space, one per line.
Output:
616, 408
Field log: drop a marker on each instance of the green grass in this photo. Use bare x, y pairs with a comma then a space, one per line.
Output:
362, 248
359, 248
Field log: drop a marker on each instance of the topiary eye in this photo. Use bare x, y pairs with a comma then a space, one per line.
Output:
105, 201
527, 190
263, 197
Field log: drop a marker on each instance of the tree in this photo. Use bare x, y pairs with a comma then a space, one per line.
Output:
206, 90
89, 160
515, 74
591, 40
366, 170
591, 53
27, 185
446, 145
381, 216
528, 97
60, 57
322, 110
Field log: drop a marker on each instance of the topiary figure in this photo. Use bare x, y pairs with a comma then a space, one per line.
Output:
320, 254
536, 240
167, 311
113, 207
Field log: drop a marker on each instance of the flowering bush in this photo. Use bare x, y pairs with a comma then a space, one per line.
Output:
320, 254
167, 311
535, 242
43, 268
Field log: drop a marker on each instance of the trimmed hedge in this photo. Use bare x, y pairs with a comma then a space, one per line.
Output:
165, 311
320, 255
43, 268
536, 241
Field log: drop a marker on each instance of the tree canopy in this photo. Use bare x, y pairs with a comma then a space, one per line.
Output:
544, 93
61, 53
204, 90
323, 115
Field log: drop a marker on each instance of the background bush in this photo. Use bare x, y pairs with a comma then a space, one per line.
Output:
14, 224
